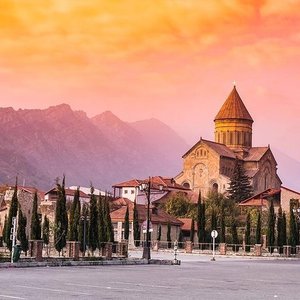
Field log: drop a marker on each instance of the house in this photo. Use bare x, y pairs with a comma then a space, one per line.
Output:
186, 229
159, 218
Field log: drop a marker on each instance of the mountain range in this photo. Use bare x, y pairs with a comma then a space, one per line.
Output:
41, 145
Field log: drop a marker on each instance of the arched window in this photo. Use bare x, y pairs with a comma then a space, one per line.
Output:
215, 187
186, 185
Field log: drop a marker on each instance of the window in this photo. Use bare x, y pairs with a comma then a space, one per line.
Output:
132, 191
125, 191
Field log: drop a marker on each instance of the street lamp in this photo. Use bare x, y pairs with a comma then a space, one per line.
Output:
146, 188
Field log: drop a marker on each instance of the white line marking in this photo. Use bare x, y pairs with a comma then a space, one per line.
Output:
11, 297
104, 287
52, 290
147, 285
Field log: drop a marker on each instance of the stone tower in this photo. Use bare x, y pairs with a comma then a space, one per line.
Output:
233, 124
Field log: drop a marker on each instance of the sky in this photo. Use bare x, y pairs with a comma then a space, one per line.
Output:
174, 60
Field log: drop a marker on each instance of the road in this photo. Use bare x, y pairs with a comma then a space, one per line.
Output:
196, 278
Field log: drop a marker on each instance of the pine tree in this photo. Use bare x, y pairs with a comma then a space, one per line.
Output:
271, 227
83, 229
75, 217
280, 233
46, 230
293, 240
192, 232
247, 233
169, 235
102, 232
35, 220
239, 186
61, 218
93, 227
159, 233
126, 225
13, 210
258, 229
201, 220
136, 226
21, 233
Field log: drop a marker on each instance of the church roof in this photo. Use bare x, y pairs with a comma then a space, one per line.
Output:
233, 108
221, 149
256, 153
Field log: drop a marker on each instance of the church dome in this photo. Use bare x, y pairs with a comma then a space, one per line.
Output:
233, 108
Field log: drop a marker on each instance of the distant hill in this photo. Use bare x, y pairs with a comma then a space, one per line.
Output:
40, 145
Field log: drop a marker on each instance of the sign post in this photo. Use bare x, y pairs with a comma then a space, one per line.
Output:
214, 235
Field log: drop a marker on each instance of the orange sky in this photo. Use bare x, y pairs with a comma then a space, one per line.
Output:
170, 59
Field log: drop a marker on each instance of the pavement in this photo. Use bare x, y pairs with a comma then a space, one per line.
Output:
196, 278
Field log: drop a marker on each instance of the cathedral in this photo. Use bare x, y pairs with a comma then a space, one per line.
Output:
209, 165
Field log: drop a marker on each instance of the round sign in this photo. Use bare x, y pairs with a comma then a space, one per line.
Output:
214, 233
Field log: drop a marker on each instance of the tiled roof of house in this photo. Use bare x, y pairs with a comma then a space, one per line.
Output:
69, 192
187, 224
256, 153
129, 183
233, 108
159, 217
261, 198
221, 149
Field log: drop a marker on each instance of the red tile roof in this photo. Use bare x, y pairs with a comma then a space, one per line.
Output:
69, 192
187, 224
261, 198
233, 108
129, 183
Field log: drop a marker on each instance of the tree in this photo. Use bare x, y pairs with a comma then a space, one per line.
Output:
126, 225
21, 233
271, 227
46, 230
213, 221
247, 233
4, 230
159, 233
280, 233
102, 233
192, 232
200, 220
169, 234
75, 217
35, 220
258, 229
179, 206
93, 228
239, 186
83, 229
107, 221
222, 225
136, 226
284, 237
235, 239
180, 240
61, 217
293, 239
13, 210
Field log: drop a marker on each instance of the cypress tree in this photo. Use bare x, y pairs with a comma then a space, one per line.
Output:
75, 217
4, 230
126, 225
61, 218
35, 220
108, 223
180, 240
284, 236
258, 229
280, 233
169, 234
102, 232
222, 225
200, 220
247, 233
213, 221
21, 232
192, 232
271, 227
93, 227
13, 210
235, 239
159, 233
239, 186
46, 230
293, 240
136, 226
83, 229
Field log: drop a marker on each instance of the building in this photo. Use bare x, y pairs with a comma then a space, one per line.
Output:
208, 165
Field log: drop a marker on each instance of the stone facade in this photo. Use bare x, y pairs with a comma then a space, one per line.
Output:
209, 165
